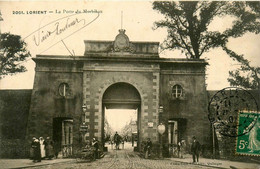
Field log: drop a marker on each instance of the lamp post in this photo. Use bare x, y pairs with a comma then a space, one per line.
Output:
161, 130
160, 112
83, 127
84, 109
214, 146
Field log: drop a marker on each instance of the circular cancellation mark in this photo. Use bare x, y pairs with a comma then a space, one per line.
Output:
226, 109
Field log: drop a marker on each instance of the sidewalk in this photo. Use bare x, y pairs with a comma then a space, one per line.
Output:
26, 163
216, 163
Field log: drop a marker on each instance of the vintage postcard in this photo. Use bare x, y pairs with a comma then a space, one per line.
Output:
129, 84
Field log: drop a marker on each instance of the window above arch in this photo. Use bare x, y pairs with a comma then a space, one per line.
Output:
64, 89
177, 91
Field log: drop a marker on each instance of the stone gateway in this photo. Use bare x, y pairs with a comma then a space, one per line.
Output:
118, 74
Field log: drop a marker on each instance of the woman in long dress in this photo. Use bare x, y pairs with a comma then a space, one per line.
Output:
42, 146
49, 148
37, 151
32, 148
254, 143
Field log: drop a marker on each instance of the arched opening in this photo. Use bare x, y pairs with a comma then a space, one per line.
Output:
121, 104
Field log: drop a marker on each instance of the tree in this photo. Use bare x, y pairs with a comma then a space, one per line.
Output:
246, 76
187, 24
107, 129
12, 52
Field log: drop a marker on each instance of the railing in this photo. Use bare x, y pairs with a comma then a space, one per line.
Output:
67, 150
173, 150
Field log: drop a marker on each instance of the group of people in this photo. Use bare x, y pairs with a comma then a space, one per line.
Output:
41, 149
195, 149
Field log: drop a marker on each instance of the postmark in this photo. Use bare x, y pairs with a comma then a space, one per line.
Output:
249, 143
225, 108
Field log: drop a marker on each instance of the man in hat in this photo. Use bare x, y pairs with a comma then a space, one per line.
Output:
195, 149
117, 140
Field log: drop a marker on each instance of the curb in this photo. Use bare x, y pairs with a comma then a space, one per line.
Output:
199, 164
42, 164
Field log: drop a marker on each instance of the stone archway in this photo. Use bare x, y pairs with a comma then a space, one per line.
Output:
122, 95
99, 96
148, 107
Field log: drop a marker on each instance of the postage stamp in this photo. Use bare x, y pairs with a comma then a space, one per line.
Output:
225, 108
249, 143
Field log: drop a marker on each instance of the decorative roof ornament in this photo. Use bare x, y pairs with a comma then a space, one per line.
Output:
122, 44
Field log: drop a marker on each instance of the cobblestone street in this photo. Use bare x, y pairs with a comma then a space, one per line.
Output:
126, 159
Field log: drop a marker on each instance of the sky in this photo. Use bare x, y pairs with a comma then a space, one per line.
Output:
138, 21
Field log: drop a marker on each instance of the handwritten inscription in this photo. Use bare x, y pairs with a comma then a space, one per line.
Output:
58, 29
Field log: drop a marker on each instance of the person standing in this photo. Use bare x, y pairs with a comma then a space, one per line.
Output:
148, 147
123, 143
37, 151
195, 149
117, 140
56, 148
49, 148
42, 147
181, 146
32, 149
96, 146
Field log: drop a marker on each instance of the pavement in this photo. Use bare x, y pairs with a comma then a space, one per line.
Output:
115, 157
214, 163
218, 163
26, 163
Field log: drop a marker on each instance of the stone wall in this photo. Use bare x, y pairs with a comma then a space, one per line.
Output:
190, 110
14, 108
47, 103
14, 111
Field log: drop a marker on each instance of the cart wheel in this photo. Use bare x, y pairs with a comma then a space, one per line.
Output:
93, 158
81, 159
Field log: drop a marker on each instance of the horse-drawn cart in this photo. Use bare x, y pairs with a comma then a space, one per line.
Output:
87, 154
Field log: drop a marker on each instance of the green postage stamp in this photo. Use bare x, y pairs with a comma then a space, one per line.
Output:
249, 143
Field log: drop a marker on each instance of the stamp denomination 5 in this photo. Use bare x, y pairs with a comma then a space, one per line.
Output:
227, 105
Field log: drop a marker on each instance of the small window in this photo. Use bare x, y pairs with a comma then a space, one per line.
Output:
64, 89
177, 91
